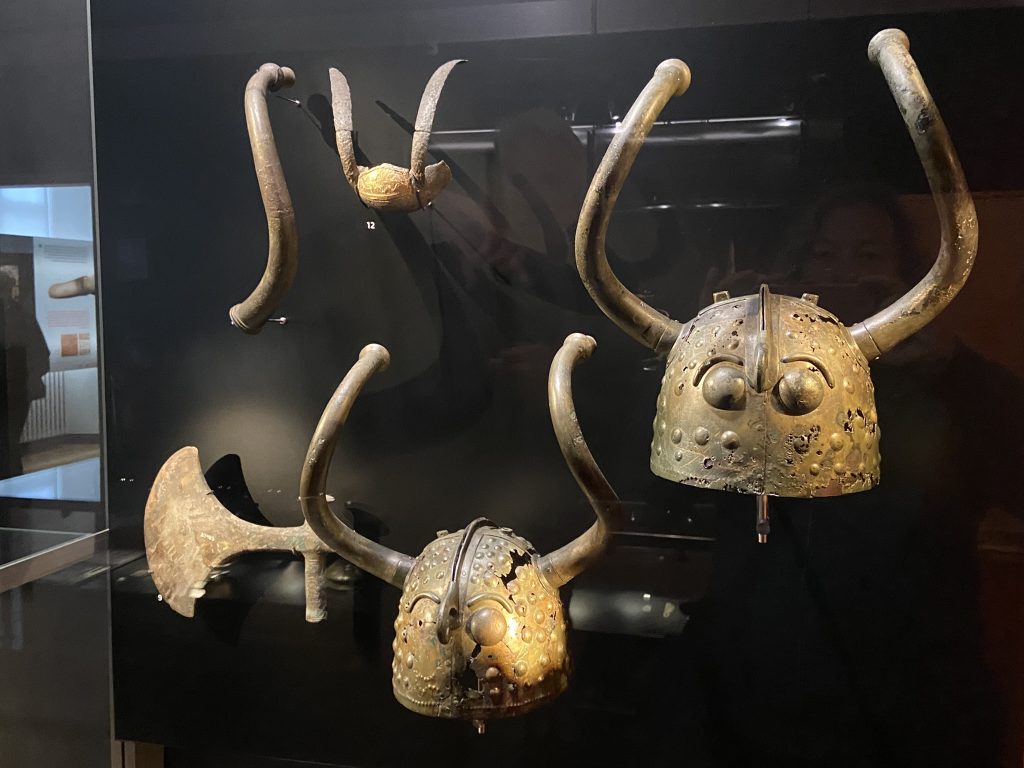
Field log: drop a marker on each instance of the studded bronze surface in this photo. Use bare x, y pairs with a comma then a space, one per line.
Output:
477, 674
480, 632
799, 435
771, 395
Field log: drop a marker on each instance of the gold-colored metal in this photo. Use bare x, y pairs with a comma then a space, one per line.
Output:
283, 248
189, 534
80, 286
388, 187
772, 395
481, 630
769, 395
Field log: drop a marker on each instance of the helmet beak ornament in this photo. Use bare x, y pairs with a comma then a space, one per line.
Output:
481, 631
769, 394
283, 249
387, 187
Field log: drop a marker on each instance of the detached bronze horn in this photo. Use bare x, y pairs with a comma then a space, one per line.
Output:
283, 248
770, 394
388, 187
480, 632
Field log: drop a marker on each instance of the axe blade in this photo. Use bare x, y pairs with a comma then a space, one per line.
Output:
187, 531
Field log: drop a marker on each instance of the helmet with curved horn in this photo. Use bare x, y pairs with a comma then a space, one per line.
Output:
388, 187
768, 394
283, 249
480, 632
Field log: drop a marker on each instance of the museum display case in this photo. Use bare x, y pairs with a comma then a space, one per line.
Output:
612, 382
54, 568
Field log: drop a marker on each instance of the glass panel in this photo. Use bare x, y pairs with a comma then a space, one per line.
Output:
871, 628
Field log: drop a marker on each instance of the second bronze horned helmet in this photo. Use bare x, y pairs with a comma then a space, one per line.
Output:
767, 394
385, 186
481, 630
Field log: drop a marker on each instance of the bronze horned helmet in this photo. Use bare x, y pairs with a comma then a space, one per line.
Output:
767, 394
387, 187
480, 632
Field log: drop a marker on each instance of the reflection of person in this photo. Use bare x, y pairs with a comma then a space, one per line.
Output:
26, 359
883, 584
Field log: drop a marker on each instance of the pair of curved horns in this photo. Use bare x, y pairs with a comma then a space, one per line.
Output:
283, 235
341, 104
393, 567
890, 50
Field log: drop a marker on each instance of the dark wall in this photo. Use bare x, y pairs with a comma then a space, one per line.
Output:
44, 87
54, 651
852, 638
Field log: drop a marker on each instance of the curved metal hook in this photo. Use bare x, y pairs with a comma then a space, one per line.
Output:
381, 561
566, 563
341, 105
625, 309
890, 50
283, 249
425, 121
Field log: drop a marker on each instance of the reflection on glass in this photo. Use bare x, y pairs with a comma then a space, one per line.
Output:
49, 446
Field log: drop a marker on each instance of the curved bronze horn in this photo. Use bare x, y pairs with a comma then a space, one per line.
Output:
382, 562
283, 250
388, 187
341, 104
565, 563
890, 50
626, 310
425, 121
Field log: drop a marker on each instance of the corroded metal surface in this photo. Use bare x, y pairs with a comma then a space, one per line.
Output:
283, 235
80, 286
772, 395
385, 186
641, 321
565, 563
374, 558
785, 409
480, 632
508, 653
189, 534
958, 222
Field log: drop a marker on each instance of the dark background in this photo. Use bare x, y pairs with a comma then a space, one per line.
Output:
860, 635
